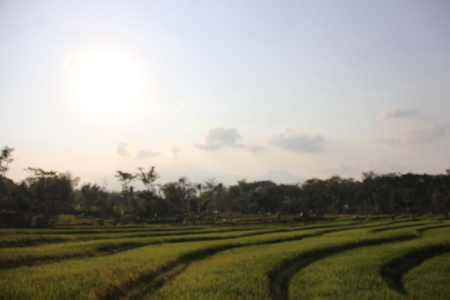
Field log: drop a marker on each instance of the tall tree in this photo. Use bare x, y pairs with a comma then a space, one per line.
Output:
91, 194
125, 179
52, 192
5, 160
148, 177
441, 193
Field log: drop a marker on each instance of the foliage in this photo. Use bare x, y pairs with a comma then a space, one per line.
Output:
51, 193
5, 160
184, 201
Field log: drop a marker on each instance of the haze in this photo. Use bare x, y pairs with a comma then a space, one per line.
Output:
279, 90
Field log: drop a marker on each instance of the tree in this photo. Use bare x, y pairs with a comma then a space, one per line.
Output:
180, 198
396, 202
148, 178
214, 200
52, 193
314, 194
441, 193
125, 179
146, 204
91, 194
5, 160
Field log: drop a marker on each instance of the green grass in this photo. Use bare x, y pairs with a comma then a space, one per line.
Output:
358, 273
430, 280
245, 273
113, 275
18, 256
221, 262
15, 257
33, 238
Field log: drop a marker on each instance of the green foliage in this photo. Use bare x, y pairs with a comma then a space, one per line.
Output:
5, 183
149, 177
5, 159
51, 193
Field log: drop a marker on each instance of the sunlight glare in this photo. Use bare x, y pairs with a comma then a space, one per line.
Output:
67, 60
107, 83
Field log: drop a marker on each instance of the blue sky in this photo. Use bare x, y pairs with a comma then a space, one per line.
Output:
225, 89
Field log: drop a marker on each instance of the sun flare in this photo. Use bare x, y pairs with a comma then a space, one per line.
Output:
107, 83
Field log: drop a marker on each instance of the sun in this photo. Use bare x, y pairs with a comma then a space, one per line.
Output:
107, 83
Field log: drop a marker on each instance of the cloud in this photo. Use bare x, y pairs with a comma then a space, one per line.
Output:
176, 149
397, 113
122, 149
421, 135
297, 141
143, 154
219, 138
255, 148
391, 141
427, 134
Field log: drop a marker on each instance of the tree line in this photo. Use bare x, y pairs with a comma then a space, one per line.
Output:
48, 194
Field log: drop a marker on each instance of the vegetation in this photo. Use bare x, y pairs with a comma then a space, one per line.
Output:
45, 195
345, 258
384, 237
369, 272
428, 280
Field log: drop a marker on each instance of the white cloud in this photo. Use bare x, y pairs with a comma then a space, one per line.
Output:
297, 141
421, 135
122, 149
219, 138
143, 154
397, 113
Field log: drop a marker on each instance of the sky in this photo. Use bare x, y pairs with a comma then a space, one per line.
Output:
231, 90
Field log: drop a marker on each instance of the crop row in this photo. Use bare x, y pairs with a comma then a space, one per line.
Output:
252, 264
25, 239
376, 272
17, 256
250, 272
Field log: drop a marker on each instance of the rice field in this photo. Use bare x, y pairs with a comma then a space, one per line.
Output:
339, 259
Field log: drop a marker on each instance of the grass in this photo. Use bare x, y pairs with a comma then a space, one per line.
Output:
430, 279
217, 262
28, 256
111, 276
33, 238
364, 273
247, 272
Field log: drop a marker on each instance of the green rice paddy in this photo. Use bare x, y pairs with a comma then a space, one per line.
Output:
340, 259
